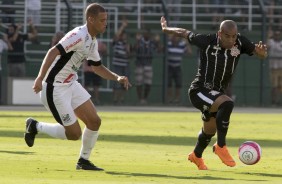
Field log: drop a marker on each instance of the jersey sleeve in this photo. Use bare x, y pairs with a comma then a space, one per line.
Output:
94, 54
200, 40
70, 42
247, 46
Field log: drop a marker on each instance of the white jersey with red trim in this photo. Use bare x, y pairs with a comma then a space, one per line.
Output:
76, 46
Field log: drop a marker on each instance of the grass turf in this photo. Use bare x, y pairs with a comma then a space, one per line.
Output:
139, 147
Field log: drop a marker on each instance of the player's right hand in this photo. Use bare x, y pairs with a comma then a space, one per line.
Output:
124, 80
37, 86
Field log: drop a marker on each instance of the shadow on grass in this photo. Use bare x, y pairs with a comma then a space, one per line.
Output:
24, 116
161, 140
165, 176
17, 152
173, 140
182, 177
263, 174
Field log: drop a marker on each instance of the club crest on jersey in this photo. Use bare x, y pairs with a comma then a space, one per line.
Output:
234, 51
213, 92
65, 118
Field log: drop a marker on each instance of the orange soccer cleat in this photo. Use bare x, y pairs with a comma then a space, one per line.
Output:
224, 155
198, 161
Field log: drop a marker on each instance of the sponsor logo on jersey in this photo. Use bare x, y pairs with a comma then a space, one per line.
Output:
73, 44
75, 68
206, 108
92, 46
213, 92
216, 47
71, 35
69, 78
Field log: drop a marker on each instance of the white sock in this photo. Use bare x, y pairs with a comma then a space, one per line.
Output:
53, 129
89, 138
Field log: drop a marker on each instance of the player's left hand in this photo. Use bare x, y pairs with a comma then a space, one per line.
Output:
124, 80
163, 23
261, 50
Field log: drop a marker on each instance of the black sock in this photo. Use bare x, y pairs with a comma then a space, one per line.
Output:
202, 143
222, 121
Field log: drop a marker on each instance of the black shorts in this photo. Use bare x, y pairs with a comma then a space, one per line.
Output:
203, 98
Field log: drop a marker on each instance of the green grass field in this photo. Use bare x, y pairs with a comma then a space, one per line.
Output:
139, 147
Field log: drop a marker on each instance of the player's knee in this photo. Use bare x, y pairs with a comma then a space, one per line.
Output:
226, 106
98, 121
94, 124
206, 115
74, 135
205, 137
223, 115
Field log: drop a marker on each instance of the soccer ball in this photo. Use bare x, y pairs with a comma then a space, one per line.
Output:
249, 152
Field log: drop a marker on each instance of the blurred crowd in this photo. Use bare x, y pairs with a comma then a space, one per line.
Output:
142, 50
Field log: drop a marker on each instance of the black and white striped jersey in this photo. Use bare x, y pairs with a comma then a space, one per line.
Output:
120, 57
74, 47
217, 64
175, 53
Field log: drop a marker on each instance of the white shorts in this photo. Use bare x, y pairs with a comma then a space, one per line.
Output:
62, 100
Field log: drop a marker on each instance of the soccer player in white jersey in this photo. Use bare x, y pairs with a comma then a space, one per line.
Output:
63, 96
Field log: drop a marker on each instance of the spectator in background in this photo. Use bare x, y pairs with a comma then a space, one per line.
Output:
151, 6
56, 38
4, 45
217, 10
16, 55
176, 48
275, 65
241, 12
34, 11
274, 13
8, 12
92, 81
120, 63
127, 7
145, 47
174, 7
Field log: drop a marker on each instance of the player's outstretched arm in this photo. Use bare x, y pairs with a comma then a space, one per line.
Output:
180, 32
260, 50
104, 72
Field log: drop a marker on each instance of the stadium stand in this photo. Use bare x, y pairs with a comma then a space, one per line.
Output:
193, 16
